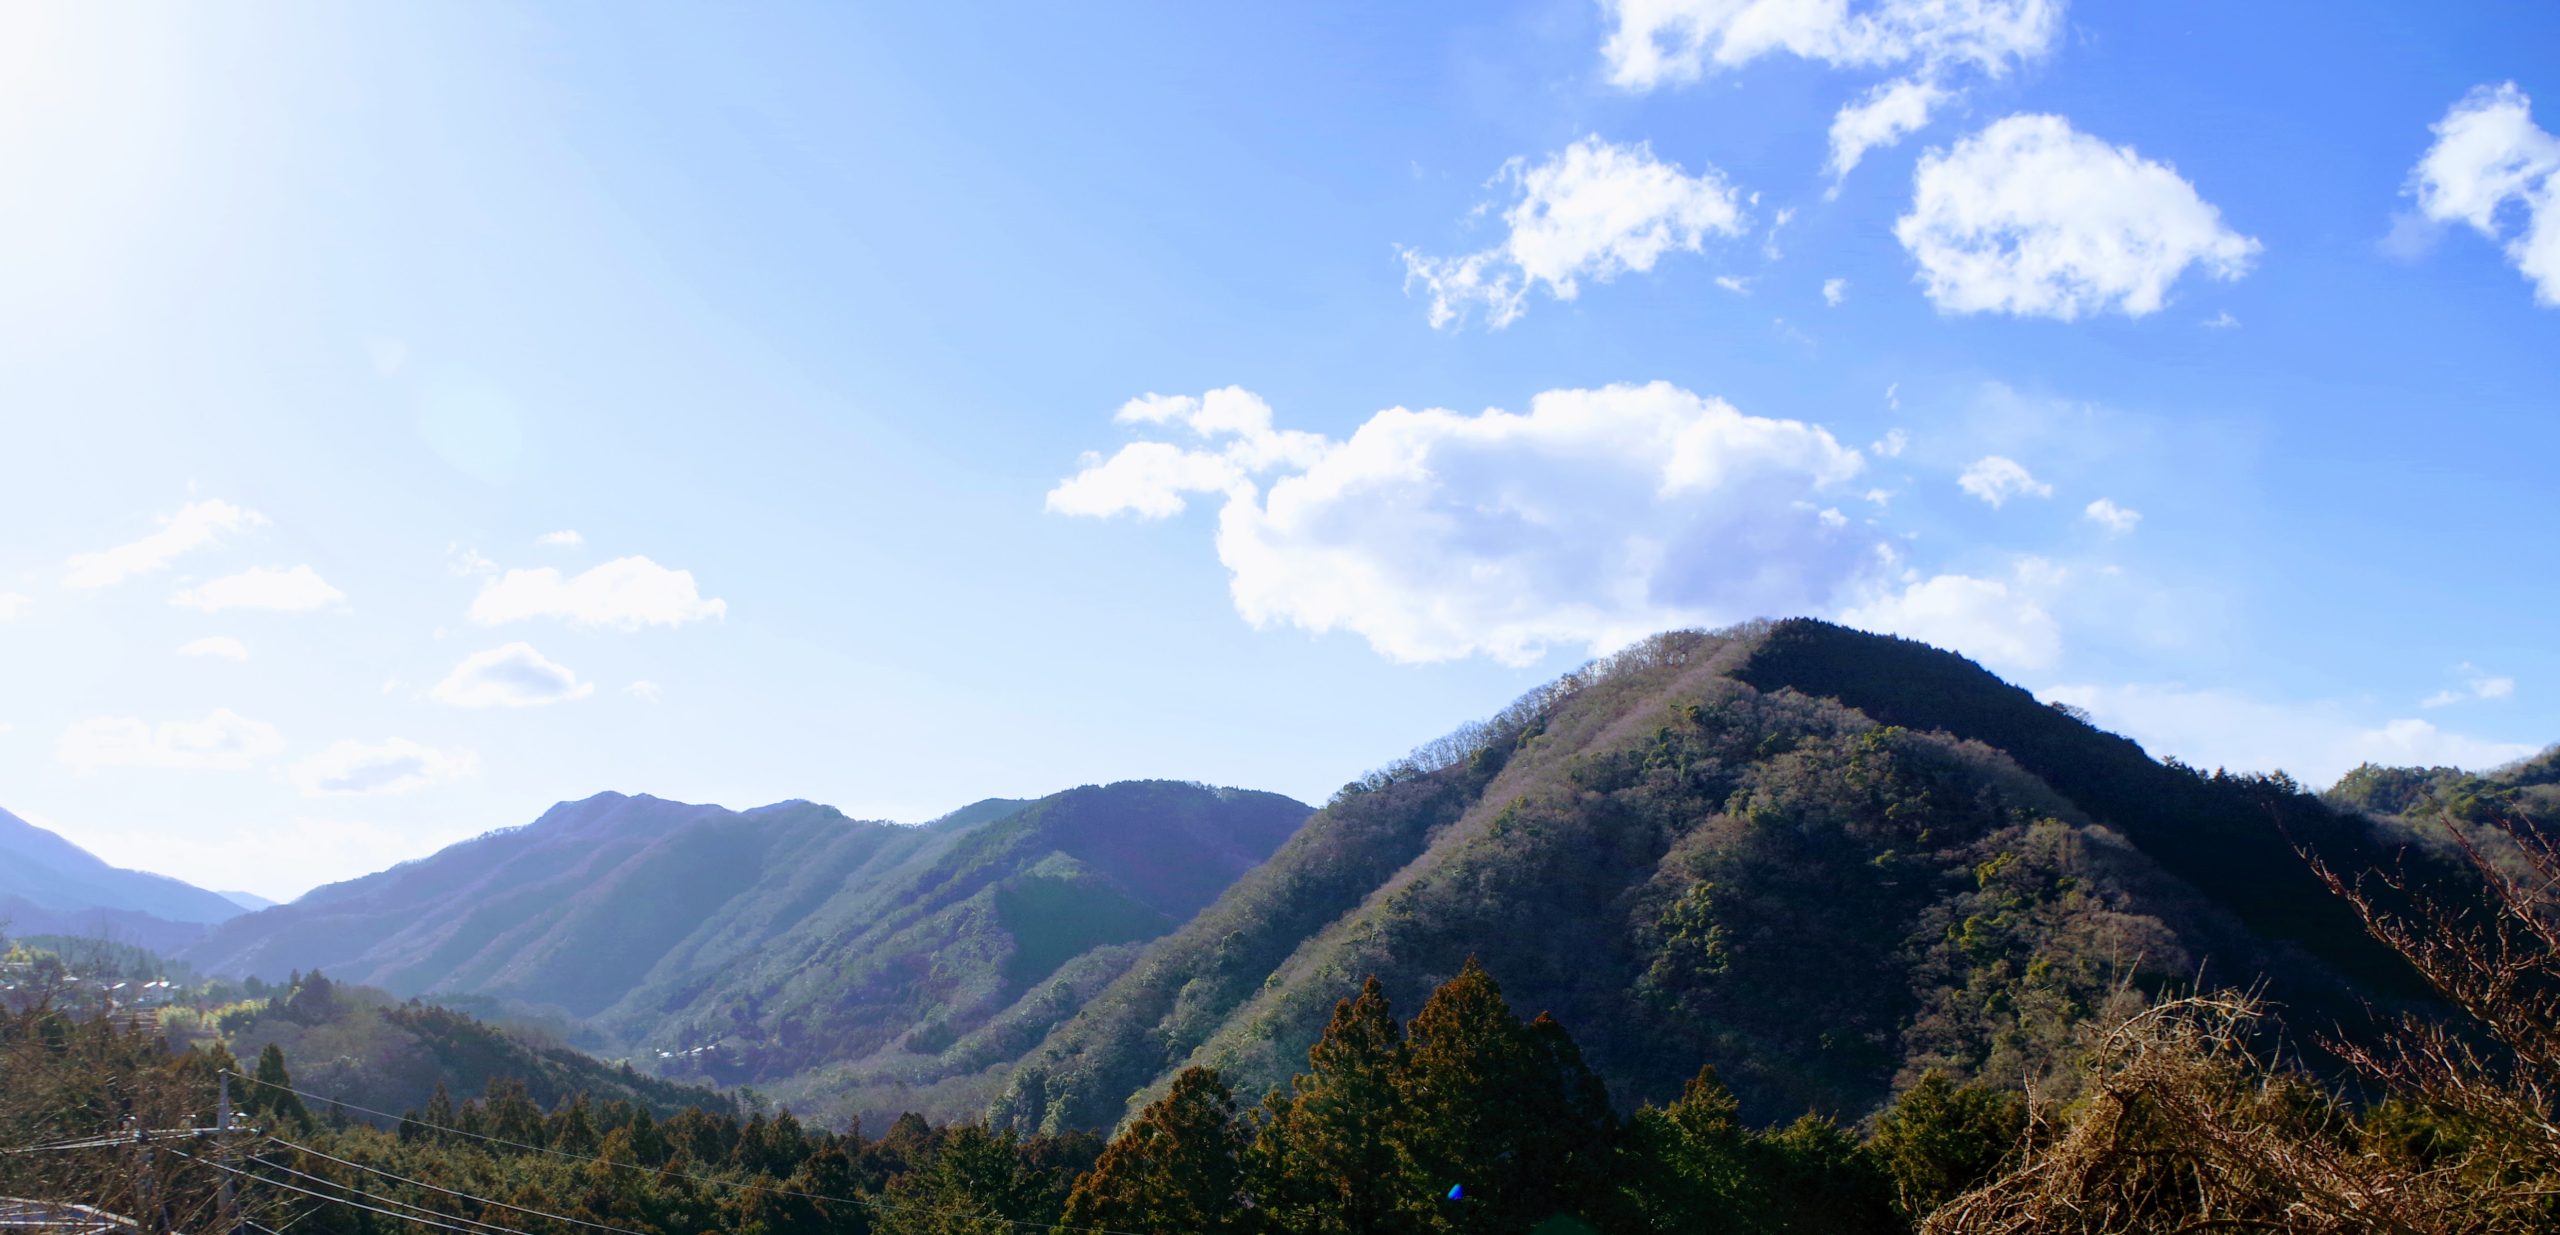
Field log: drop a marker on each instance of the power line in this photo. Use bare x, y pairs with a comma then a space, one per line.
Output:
713, 1180
327, 1182
278, 1183
450, 1192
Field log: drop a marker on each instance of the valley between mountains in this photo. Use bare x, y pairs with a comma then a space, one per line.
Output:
1824, 861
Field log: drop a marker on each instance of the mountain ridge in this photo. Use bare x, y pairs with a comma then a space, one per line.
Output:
50, 885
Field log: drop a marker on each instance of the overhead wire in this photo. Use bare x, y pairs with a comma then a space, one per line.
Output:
419, 1183
712, 1180
339, 1200
324, 1181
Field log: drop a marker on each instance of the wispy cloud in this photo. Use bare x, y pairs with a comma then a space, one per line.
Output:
299, 589
1595, 210
194, 526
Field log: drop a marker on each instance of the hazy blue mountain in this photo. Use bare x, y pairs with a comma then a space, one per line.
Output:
50, 886
248, 901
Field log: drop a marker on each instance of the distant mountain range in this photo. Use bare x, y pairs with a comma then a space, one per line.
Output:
50, 886
815, 955
1823, 861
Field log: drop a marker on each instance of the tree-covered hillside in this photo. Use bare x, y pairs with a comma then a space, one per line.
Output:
1823, 861
842, 964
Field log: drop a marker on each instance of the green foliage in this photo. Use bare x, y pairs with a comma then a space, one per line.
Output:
975, 1183
1325, 1157
1940, 1140
1502, 1110
1686, 1166
1178, 1167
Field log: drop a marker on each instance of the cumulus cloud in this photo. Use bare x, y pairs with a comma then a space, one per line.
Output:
224, 740
2118, 520
2316, 742
1149, 479
222, 646
1594, 211
2475, 685
1658, 42
1999, 622
624, 594
2031, 217
1834, 291
194, 526
1997, 478
393, 765
2490, 164
1891, 445
298, 590
1881, 117
563, 539
1595, 517
513, 676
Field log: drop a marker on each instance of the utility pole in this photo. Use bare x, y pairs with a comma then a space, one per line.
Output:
227, 1214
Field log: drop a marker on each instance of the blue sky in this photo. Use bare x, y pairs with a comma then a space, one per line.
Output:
2189, 362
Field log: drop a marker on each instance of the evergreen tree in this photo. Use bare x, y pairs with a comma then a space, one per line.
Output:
1324, 1162
1494, 1109
975, 1184
1178, 1167
1818, 1180
1938, 1140
1684, 1165
275, 1089
439, 1116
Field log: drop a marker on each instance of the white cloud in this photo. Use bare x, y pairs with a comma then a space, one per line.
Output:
223, 646
513, 676
1149, 479
12, 604
1736, 284
644, 691
2118, 520
2475, 685
2316, 741
1997, 478
1594, 211
1999, 622
1882, 117
1658, 42
223, 740
393, 765
564, 539
1891, 445
625, 594
2222, 321
2490, 159
1834, 291
2031, 217
464, 563
194, 526
298, 590
1596, 517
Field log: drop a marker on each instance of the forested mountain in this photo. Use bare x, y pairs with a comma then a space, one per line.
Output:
757, 946
48, 884
1822, 861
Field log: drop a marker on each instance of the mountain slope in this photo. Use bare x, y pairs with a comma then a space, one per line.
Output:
49, 885
1818, 859
754, 946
